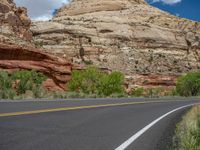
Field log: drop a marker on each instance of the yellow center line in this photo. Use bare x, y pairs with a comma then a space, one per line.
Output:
74, 108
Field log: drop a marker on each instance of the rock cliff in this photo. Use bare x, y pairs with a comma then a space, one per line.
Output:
14, 23
150, 46
18, 53
14, 57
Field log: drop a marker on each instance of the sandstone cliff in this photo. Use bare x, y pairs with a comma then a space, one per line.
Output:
14, 23
150, 46
14, 57
18, 53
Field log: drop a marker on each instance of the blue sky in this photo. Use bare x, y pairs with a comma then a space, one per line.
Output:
184, 8
43, 9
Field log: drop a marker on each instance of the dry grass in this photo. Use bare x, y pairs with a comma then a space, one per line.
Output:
188, 131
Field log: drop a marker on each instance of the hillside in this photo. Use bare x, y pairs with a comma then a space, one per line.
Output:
150, 46
17, 52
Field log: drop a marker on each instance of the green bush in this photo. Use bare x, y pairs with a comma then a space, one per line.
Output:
189, 85
85, 81
39, 91
7, 94
173, 92
110, 84
93, 81
28, 80
19, 83
138, 92
6, 91
5, 81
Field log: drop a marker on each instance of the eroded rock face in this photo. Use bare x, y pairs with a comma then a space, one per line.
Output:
18, 53
14, 23
14, 57
126, 35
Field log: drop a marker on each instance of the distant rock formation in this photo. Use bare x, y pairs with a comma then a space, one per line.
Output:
126, 35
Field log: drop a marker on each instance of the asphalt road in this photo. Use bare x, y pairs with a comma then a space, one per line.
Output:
103, 126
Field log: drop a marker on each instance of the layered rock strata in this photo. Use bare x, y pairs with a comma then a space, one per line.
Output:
18, 53
126, 35
14, 57
14, 23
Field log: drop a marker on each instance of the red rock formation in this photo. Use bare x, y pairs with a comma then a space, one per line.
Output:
14, 34
14, 57
149, 81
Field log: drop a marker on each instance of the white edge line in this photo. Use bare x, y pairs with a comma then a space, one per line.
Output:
128, 142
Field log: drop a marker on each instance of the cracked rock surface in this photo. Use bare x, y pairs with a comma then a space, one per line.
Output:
126, 35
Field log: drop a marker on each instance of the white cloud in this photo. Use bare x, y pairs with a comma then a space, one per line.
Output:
41, 9
169, 2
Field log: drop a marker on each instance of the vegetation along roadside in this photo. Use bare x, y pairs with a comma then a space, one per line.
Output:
89, 83
187, 135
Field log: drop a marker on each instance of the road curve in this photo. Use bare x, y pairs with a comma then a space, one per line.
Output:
100, 124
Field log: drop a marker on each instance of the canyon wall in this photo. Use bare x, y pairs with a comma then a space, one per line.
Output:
14, 23
150, 46
18, 53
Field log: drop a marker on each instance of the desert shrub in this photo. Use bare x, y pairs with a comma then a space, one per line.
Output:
138, 92
6, 91
189, 85
195, 132
154, 92
187, 135
5, 81
28, 80
86, 81
39, 91
93, 81
7, 94
110, 84
173, 92
12, 85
